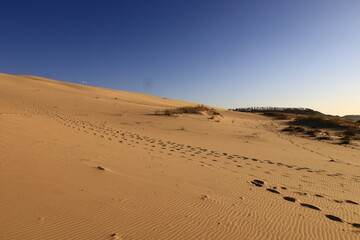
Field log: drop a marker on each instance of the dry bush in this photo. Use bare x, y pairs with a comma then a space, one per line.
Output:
198, 109
324, 138
313, 132
323, 121
293, 129
350, 134
345, 140
279, 115
316, 121
351, 131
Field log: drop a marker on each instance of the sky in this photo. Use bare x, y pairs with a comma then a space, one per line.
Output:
223, 53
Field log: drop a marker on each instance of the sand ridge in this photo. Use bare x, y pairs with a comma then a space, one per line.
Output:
88, 163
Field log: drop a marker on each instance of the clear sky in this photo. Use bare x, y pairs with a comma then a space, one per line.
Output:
225, 53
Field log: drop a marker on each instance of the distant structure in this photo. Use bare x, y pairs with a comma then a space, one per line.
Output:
84, 82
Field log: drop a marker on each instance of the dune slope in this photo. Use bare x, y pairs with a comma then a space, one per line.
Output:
80, 162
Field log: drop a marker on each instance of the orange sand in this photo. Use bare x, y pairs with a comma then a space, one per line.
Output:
185, 177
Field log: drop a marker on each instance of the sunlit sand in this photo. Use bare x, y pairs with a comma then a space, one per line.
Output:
80, 162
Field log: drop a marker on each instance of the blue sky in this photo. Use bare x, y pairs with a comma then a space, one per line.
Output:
300, 53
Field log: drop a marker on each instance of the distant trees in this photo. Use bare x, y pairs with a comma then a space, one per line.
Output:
277, 109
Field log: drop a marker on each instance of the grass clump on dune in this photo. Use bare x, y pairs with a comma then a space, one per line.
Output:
198, 109
278, 115
349, 130
323, 121
293, 129
308, 122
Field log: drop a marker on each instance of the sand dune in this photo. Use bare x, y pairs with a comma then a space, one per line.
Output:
80, 162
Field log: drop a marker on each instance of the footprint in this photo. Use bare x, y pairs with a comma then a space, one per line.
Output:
334, 218
357, 225
301, 193
272, 190
257, 182
351, 202
290, 199
310, 206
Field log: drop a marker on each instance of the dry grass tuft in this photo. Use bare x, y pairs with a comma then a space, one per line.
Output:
308, 123
198, 109
293, 129
279, 115
350, 130
345, 140
313, 132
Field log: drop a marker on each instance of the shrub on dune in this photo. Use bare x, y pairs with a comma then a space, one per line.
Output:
198, 109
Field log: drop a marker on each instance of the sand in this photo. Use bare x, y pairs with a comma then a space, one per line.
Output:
80, 162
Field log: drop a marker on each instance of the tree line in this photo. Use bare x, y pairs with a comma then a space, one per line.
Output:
276, 109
